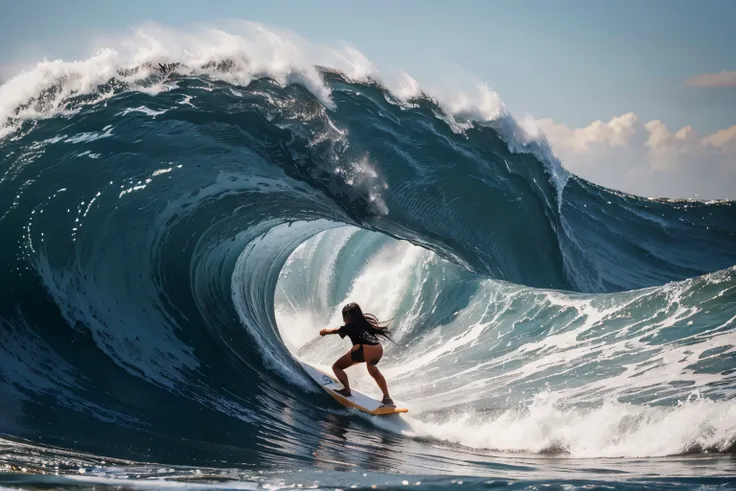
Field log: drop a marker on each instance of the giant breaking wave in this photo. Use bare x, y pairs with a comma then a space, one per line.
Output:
173, 237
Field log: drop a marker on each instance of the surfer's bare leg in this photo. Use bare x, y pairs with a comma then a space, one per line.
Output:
339, 367
378, 377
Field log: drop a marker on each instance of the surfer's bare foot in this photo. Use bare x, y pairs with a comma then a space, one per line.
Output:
387, 401
344, 392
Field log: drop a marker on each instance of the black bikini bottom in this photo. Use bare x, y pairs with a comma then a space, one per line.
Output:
359, 357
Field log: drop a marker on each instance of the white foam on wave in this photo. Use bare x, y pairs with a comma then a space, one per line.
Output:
239, 52
406, 88
572, 349
610, 430
142, 109
248, 50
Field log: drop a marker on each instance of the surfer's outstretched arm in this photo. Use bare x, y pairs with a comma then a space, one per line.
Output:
326, 331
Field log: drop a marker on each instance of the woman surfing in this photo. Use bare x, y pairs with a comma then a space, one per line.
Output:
363, 330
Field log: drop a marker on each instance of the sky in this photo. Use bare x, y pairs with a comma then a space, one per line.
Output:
637, 96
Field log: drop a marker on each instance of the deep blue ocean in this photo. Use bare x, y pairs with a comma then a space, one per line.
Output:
171, 240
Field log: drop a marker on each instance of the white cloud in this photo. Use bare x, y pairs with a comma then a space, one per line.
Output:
721, 79
648, 158
616, 132
725, 139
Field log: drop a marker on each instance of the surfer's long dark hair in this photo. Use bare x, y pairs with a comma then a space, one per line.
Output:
369, 322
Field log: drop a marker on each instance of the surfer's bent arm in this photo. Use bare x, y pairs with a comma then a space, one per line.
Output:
326, 331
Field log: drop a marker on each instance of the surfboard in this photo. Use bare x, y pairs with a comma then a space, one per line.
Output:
357, 399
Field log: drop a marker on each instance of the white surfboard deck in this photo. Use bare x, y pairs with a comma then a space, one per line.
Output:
358, 400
